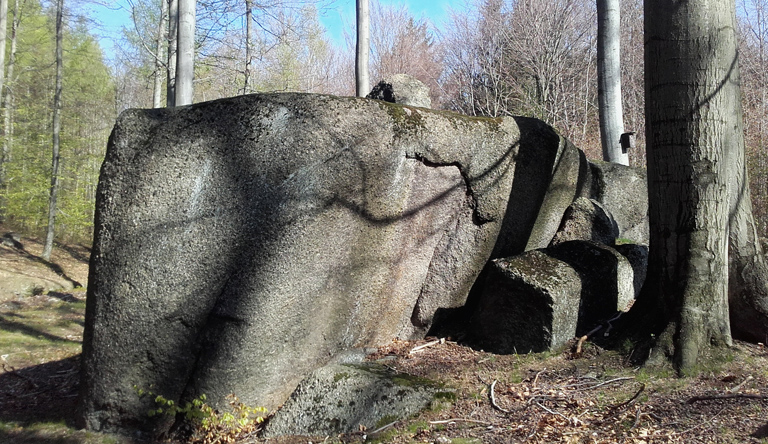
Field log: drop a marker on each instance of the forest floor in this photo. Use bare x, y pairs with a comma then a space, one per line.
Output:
559, 397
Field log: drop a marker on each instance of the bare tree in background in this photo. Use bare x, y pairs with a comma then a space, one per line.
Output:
402, 44
185, 53
632, 76
753, 59
609, 81
56, 131
363, 49
534, 58
161, 43
248, 46
173, 33
476, 71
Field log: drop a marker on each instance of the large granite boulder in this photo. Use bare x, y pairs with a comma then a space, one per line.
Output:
242, 243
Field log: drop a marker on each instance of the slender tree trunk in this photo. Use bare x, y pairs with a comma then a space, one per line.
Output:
248, 46
185, 59
4, 153
48, 247
173, 26
609, 80
160, 45
362, 79
8, 96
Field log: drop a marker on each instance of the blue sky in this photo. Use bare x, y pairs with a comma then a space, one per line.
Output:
114, 14
343, 13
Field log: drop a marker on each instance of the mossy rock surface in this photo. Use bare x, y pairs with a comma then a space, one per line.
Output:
339, 398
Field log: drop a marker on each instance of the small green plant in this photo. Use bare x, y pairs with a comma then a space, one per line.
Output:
210, 426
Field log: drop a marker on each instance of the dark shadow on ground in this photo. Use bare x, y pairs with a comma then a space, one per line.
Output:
42, 393
54, 267
78, 252
13, 326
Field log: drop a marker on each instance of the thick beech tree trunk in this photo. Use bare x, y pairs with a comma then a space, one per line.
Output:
609, 80
693, 120
362, 80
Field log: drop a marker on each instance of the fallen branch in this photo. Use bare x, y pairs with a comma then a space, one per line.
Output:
475, 421
536, 379
630, 400
493, 399
428, 344
610, 381
382, 428
736, 389
702, 423
552, 412
583, 339
726, 396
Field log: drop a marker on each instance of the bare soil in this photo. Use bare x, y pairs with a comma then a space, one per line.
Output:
592, 397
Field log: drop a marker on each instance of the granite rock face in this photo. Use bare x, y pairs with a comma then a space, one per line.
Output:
624, 191
587, 219
242, 243
339, 398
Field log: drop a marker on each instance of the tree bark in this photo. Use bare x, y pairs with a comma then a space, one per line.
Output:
5, 151
173, 26
248, 46
185, 59
54, 190
748, 277
160, 44
362, 80
692, 96
609, 80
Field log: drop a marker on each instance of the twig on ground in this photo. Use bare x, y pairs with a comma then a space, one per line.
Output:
493, 399
610, 381
630, 400
474, 421
428, 344
736, 389
702, 423
726, 396
552, 412
638, 414
536, 379
382, 428
583, 339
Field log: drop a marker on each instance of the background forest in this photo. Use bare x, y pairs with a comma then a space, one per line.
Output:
493, 57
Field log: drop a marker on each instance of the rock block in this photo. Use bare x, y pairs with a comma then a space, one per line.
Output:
339, 398
530, 304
